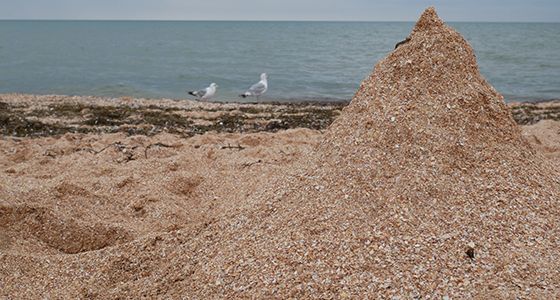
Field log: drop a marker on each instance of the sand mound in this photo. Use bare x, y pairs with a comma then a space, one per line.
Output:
420, 187
423, 187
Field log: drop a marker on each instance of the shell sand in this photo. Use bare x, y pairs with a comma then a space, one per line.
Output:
422, 187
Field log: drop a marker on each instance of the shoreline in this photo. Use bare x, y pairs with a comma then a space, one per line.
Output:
272, 101
25, 115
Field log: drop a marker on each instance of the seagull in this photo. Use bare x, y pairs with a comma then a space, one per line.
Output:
206, 93
258, 88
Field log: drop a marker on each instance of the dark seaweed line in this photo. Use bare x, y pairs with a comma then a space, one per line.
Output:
150, 120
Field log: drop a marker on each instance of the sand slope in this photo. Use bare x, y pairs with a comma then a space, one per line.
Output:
61, 198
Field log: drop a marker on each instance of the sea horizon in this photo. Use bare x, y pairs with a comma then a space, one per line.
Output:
280, 20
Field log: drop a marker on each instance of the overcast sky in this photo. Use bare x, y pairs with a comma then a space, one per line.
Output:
356, 10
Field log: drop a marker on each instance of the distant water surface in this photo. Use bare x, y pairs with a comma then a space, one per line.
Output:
304, 60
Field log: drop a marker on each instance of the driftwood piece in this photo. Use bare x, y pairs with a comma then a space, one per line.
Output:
238, 147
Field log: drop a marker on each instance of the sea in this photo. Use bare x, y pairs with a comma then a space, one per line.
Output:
304, 60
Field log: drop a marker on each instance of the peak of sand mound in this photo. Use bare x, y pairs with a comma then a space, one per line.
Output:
428, 20
423, 187
425, 110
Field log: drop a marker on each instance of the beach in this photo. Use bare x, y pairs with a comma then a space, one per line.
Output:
425, 185
84, 174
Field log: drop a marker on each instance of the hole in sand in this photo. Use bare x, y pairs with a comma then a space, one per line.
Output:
65, 235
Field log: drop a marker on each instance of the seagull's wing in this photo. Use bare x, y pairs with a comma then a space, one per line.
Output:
199, 93
257, 88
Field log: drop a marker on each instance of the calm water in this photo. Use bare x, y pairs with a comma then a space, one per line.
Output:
325, 60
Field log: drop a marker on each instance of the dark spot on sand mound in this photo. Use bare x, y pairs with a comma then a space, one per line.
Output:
65, 235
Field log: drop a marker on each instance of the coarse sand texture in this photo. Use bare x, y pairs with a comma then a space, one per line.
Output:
422, 188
